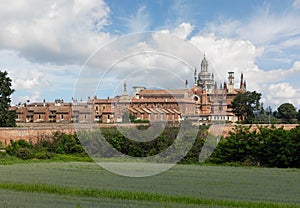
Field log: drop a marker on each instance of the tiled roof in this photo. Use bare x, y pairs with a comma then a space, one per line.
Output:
107, 110
162, 92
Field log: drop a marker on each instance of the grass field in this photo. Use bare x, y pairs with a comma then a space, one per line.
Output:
82, 184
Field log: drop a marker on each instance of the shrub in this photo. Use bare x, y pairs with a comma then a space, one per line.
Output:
14, 146
269, 147
24, 153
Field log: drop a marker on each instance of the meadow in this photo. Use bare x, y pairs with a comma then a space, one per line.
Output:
85, 184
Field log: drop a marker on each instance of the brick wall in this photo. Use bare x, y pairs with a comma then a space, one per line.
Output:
32, 131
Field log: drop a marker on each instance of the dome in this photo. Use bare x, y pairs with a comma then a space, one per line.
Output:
204, 64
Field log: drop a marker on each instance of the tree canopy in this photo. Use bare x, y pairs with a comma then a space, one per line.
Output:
244, 105
287, 112
298, 115
7, 118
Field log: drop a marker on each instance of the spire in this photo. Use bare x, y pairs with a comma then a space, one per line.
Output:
212, 76
225, 86
186, 83
125, 88
195, 76
242, 82
204, 65
245, 85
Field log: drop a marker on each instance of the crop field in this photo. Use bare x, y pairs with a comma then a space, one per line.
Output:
85, 184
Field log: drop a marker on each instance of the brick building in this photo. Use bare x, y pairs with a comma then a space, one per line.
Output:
204, 102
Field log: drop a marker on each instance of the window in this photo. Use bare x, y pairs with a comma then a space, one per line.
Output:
62, 116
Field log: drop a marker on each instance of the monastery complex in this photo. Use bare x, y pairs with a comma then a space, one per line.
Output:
206, 101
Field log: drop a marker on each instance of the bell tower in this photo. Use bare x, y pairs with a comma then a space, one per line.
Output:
230, 82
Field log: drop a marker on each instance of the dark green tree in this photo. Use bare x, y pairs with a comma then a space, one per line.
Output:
287, 113
298, 115
7, 117
244, 105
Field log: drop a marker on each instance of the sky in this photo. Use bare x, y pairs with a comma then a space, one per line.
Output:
59, 49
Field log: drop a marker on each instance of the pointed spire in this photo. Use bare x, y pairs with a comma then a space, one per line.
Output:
204, 65
195, 76
245, 85
125, 88
186, 83
242, 83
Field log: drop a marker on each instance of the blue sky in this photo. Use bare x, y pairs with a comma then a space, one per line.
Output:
45, 47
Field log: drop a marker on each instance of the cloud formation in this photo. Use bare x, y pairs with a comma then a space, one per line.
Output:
43, 49
57, 32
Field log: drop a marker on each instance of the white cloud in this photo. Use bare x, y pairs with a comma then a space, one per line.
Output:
296, 4
34, 97
31, 80
138, 22
183, 30
59, 31
263, 27
282, 93
227, 54
276, 32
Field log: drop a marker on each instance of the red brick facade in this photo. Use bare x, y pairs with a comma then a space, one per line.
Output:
204, 102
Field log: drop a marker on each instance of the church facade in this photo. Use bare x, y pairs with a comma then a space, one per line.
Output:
204, 102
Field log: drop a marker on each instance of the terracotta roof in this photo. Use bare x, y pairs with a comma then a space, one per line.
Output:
162, 92
154, 100
107, 110
159, 110
40, 110
170, 110
103, 101
165, 111
132, 110
139, 110
176, 111
63, 109
146, 110
152, 110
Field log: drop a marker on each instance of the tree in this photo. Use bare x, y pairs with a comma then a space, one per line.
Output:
244, 105
298, 115
287, 112
7, 117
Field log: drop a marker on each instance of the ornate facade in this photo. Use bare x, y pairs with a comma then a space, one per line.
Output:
204, 102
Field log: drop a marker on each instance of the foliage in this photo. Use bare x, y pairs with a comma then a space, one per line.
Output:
7, 117
287, 112
146, 143
265, 146
268, 147
46, 147
245, 104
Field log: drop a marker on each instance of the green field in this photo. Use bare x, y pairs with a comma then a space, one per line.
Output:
83, 184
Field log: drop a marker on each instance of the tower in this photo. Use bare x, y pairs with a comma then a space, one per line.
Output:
195, 76
204, 65
230, 82
242, 82
205, 79
125, 89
